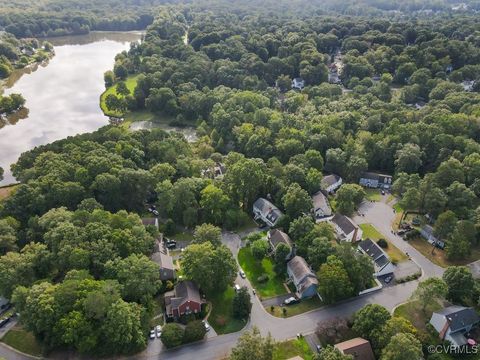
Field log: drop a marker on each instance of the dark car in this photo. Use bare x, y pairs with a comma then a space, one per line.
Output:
4, 322
401, 232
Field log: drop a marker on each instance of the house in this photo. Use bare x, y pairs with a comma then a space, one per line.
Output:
184, 299
454, 322
164, 261
150, 221
276, 237
358, 348
331, 183
468, 85
427, 232
298, 84
375, 180
321, 206
303, 277
381, 261
266, 211
215, 172
346, 229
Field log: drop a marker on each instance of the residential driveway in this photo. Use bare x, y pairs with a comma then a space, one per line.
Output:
381, 216
475, 268
405, 269
276, 300
312, 341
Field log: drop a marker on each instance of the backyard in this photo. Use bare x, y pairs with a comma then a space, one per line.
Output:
254, 268
291, 348
22, 340
370, 232
221, 316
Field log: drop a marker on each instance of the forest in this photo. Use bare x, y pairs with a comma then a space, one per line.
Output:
407, 103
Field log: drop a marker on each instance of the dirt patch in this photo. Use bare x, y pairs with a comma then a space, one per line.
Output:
6, 191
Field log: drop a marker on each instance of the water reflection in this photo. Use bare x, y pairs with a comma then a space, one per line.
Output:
63, 97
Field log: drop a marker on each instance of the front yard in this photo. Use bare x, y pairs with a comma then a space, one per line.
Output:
373, 194
22, 340
295, 309
395, 254
254, 268
221, 317
439, 256
291, 348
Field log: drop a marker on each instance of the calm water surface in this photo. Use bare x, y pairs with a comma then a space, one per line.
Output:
63, 96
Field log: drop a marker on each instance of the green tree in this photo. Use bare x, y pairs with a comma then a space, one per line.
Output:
331, 353
318, 252
284, 83
122, 88
259, 249
370, 319
242, 304
251, 345
403, 347
296, 201
430, 292
392, 327
214, 203
207, 232
409, 158
334, 283
108, 78
172, 335
459, 282
348, 197
194, 331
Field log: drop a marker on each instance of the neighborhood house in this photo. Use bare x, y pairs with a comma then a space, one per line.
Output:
184, 299
303, 277
331, 183
164, 261
321, 207
276, 237
454, 323
346, 229
298, 84
358, 348
375, 180
266, 211
427, 232
382, 263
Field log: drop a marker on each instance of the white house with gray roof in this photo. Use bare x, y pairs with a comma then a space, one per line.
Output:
266, 211
381, 261
346, 229
453, 323
303, 277
331, 183
321, 206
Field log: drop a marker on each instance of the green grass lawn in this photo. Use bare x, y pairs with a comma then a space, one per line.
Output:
373, 194
221, 317
291, 348
22, 340
395, 254
254, 268
183, 236
398, 208
131, 83
295, 309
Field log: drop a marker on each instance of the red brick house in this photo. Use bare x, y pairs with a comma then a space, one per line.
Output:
184, 299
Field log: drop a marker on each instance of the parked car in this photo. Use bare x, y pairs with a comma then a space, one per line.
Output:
416, 221
158, 330
242, 274
152, 334
387, 279
319, 348
383, 192
4, 322
236, 287
155, 212
207, 326
401, 232
171, 244
291, 300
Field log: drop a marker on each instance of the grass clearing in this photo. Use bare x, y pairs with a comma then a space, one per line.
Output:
395, 254
131, 83
439, 256
296, 309
6, 191
221, 317
183, 236
291, 348
373, 194
254, 268
412, 311
22, 340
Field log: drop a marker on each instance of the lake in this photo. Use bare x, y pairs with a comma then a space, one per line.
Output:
62, 97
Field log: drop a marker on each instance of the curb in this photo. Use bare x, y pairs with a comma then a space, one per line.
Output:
20, 352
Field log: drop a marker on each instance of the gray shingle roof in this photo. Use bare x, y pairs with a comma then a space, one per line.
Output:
459, 316
330, 180
343, 223
276, 237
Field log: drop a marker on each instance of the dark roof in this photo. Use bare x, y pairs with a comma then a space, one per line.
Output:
163, 260
270, 211
149, 221
330, 180
344, 223
320, 201
276, 237
299, 268
372, 249
185, 291
459, 317
359, 348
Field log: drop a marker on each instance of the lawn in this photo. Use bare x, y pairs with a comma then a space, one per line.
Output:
131, 83
221, 317
295, 309
373, 194
439, 256
254, 268
395, 254
6, 191
413, 312
22, 340
183, 236
291, 348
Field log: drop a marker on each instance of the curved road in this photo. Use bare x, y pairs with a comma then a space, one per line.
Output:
380, 215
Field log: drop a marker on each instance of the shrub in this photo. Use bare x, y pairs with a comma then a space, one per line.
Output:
382, 243
172, 335
194, 331
169, 227
262, 278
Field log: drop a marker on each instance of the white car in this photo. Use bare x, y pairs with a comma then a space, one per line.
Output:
242, 274
290, 300
158, 330
152, 334
207, 326
237, 287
